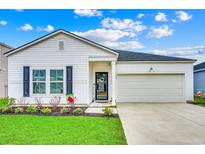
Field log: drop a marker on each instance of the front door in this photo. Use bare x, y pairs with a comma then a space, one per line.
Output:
101, 90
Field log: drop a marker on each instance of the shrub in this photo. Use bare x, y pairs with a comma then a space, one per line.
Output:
7, 101
39, 103
18, 110
5, 109
11, 100
107, 112
78, 111
65, 110
54, 102
31, 109
46, 110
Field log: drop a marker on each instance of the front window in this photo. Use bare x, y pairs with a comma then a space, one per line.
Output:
39, 81
56, 81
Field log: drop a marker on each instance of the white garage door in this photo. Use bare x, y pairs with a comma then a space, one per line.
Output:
150, 88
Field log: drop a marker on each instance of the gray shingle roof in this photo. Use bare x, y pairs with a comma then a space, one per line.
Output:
137, 56
199, 66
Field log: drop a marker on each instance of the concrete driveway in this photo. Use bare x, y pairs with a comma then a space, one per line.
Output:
165, 123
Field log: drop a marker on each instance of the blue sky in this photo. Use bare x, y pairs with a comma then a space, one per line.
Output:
167, 32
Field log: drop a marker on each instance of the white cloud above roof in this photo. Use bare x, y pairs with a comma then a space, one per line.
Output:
124, 45
192, 52
183, 16
19, 10
160, 32
161, 17
48, 28
3, 22
126, 24
140, 15
111, 38
101, 35
88, 12
26, 27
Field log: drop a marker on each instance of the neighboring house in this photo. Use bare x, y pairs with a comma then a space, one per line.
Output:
3, 70
199, 77
62, 62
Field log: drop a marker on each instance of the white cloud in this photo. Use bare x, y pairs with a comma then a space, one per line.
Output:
102, 35
48, 28
3, 22
128, 24
183, 16
123, 45
193, 52
113, 11
140, 15
26, 27
88, 12
161, 17
162, 31
19, 10
174, 21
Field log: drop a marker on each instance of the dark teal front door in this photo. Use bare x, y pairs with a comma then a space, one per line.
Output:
101, 90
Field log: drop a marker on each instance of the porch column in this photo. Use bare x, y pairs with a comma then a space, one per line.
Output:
113, 82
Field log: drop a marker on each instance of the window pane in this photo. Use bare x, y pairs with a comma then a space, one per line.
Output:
39, 88
56, 75
52, 75
39, 75
56, 88
60, 75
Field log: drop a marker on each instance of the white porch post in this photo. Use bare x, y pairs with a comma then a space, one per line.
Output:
113, 82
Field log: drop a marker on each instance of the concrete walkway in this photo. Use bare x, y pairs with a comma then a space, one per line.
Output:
98, 111
155, 123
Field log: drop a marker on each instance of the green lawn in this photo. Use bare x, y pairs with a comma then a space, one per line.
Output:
28, 129
200, 100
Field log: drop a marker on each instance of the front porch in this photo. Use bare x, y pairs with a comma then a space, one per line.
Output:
102, 81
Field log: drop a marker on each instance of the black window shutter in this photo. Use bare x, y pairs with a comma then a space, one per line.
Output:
26, 70
69, 79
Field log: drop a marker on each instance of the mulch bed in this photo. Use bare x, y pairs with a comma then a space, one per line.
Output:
56, 112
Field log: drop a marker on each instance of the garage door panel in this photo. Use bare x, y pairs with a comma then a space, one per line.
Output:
151, 85
150, 88
151, 91
151, 99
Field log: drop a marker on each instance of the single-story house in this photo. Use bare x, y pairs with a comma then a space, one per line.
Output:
62, 62
3, 70
199, 78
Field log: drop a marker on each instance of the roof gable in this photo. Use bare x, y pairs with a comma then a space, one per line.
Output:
45, 37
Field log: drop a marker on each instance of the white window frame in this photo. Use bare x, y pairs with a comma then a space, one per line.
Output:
31, 79
47, 94
56, 82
